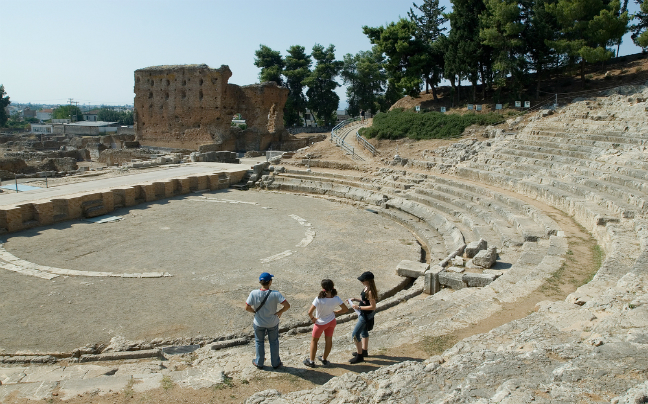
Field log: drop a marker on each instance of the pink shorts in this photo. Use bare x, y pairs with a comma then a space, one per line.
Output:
327, 329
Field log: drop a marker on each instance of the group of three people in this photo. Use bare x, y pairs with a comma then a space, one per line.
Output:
264, 302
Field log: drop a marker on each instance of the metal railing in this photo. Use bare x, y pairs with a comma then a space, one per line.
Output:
338, 137
364, 143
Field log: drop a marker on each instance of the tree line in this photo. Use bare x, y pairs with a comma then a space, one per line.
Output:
491, 44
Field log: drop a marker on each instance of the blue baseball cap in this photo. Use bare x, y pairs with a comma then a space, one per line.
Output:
265, 277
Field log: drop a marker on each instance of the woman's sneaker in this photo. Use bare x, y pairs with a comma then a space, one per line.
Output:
324, 361
357, 359
364, 353
309, 363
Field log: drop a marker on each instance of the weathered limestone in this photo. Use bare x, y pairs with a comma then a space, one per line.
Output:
189, 106
411, 269
432, 285
41, 213
478, 280
486, 258
452, 280
474, 247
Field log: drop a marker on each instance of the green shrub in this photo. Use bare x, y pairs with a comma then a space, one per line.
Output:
400, 123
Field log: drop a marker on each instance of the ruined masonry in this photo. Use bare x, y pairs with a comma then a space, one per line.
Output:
189, 106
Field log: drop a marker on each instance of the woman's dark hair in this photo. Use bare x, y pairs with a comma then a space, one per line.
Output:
328, 286
372, 289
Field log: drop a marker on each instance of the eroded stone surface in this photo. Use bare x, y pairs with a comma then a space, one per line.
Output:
188, 106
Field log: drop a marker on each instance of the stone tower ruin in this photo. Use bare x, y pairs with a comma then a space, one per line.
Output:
192, 106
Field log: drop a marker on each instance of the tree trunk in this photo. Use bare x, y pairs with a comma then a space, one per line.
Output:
434, 93
454, 88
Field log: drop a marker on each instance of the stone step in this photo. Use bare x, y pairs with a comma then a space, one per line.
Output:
589, 213
452, 236
576, 190
526, 226
365, 182
570, 144
621, 173
506, 233
483, 196
431, 239
608, 137
328, 188
460, 218
627, 189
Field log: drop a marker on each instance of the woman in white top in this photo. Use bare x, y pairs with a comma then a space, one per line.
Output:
322, 313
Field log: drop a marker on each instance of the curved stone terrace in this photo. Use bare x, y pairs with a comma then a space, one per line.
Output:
515, 193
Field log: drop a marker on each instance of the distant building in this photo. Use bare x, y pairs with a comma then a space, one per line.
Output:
91, 116
44, 114
309, 119
42, 129
342, 115
86, 128
28, 113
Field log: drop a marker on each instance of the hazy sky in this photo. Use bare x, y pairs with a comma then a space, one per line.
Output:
51, 51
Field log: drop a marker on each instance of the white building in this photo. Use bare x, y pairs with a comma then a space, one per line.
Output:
42, 129
44, 114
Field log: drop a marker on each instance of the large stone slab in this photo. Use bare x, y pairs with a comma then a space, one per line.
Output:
431, 284
411, 269
198, 378
478, 280
475, 247
452, 280
31, 391
96, 385
485, 258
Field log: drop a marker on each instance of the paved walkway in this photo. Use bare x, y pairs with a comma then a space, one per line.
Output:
137, 177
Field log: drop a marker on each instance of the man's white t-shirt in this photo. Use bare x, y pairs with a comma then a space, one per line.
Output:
325, 308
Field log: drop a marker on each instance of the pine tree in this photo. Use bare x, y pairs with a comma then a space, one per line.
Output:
322, 98
296, 70
4, 102
271, 64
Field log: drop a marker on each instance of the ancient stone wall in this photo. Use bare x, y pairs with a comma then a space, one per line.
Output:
192, 105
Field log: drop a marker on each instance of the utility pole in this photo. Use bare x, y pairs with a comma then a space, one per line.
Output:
70, 101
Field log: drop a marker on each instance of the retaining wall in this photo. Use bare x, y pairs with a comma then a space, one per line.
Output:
91, 204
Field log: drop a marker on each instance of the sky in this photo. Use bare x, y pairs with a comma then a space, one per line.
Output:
51, 51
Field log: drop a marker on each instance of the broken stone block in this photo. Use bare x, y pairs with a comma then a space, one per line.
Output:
486, 258
411, 269
452, 280
478, 280
457, 262
469, 265
456, 270
431, 284
474, 247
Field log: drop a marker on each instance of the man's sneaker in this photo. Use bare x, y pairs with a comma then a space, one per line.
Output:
324, 361
278, 366
309, 363
364, 353
255, 364
357, 359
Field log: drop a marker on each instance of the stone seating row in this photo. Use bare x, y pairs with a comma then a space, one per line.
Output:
616, 186
92, 204
586, 212
457, 214
618, 198
623, 174
594, 158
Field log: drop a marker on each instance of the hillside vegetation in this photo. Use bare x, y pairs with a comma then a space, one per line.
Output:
400, 123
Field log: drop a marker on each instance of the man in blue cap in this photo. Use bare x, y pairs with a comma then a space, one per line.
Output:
263, 303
